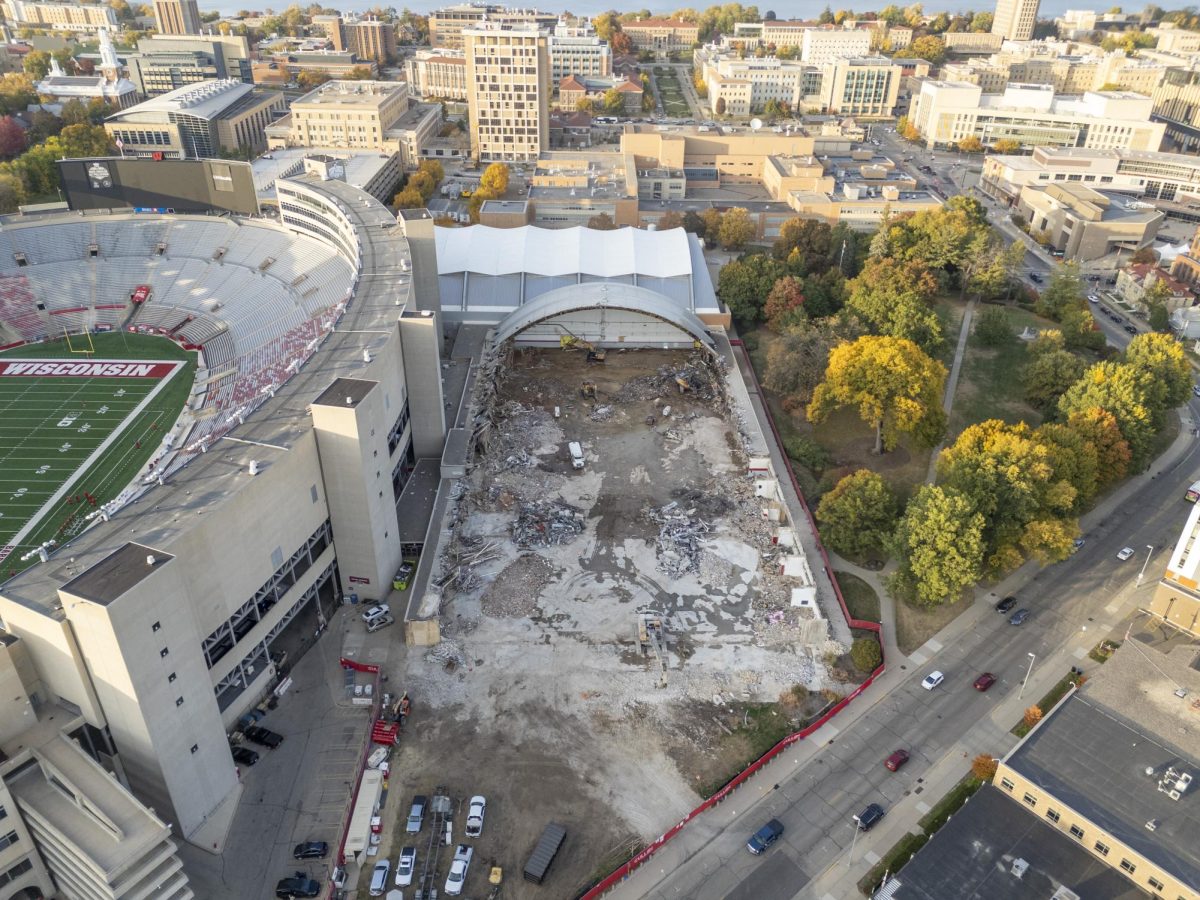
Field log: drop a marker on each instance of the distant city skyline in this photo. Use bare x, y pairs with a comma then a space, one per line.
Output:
807, 9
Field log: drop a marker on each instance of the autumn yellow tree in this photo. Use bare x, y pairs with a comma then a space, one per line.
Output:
983, 767
896, 387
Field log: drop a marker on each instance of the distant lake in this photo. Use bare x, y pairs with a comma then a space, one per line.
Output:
807, 9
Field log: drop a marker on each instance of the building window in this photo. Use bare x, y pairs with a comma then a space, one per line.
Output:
179, 701
195, 748
156, 626
1076, 831
163, 653
1030, 799
1052, 815
8, 840
1006, 784
170, 678
1101, 848
1155, 883
1128, 866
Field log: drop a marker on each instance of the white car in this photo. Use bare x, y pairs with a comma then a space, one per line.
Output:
1092, 298
379, 878
475, 811
376, 612
405, 865
932, 680
1125, 553
458, 870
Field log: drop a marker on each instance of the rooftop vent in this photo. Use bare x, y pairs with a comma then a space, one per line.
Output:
1019, 868
1151, 825
253, 467
150, 559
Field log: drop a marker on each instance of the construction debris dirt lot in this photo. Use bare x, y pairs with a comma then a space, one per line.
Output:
562, 590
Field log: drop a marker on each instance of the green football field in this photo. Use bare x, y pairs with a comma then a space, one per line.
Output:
71, 442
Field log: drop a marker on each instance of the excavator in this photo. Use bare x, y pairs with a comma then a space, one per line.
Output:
569, 341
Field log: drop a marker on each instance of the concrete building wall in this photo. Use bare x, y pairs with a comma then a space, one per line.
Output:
1014, 19
58, 661
421, 339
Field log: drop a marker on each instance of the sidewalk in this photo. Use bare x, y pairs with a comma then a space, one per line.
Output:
990, 735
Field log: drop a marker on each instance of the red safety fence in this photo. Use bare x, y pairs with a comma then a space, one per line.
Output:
738, 780
357, 666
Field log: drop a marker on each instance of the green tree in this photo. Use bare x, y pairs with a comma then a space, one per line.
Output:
1064, 291
1156, 298
1100, 430
1123, 391
798, 358
602, 222
809, 237
785, 304
865, 654
993, 328
939, 544
982, 21
1168, 371
859, 515
1074, 459
895, 299
895, 386
825, 293
37, 64
736, 229
12, 192
927, 47
693, 223
1048, 376
744, 284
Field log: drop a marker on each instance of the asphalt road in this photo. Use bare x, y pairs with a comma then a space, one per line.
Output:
817, 803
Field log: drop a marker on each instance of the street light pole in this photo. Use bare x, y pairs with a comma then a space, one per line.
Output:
1149, 553
1028, 672
853, 841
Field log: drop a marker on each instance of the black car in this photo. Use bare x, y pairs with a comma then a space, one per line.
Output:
869, 817
1035, 277
264, 736
1006, 604
765, 837
1131, 329
1019, 616
311, 850
244, 756
299, 885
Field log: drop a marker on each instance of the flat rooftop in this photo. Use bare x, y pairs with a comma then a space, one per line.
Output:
345, 392
1094, 752
973, 860
116, 574
205, 100
353, 93
361, 166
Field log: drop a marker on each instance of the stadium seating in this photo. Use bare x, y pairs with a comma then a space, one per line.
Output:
256, 322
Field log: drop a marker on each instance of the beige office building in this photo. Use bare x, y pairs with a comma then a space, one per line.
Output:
662, 35
177, 16
61, 16
576, 50
437, 74
1014, 19
372, 39
1085, 224
820, 46
446, 25
863, 87
508, 92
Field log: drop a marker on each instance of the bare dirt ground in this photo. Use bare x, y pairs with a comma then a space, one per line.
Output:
540, 695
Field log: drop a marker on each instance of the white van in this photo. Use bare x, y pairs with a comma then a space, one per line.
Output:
576, 454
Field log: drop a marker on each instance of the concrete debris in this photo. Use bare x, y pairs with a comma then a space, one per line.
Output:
448, 654
700, 377
462, 557
546, 522
680, 535
601, 414
513, 593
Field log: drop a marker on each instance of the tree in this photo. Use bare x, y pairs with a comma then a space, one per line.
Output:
433, 169
85, 140
1123, 391
12, 192
1006, 145
1074, 458
993, 328
858, 515
1032, 716
736, 229
1048, 376
895, 300
423, 184
785, 304
984, 767
670, 219
1156, 297
309, 79
12, 138
613, 102
808, 237
1162, 359
970, 144
37, 64
409, 198
744, 284
602, 222
896, 387
16, 92
865, 654
939, 542
927, 47
1144, 255
1009, 479
712, 225
826, 17
1064, 292
74, 113
693, 223
797, 359
1100, 429
494, 180
907, 130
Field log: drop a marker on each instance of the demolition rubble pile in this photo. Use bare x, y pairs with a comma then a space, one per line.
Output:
463, 556
546, 522
680, 536
697, 377
514, 592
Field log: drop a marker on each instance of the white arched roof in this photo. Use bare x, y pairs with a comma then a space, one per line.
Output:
563, 251
597, 294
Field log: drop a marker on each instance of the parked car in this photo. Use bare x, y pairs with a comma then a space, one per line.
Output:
379, 878
1130, 329
765, 837
244, 756
932, 680
263, 736
404, 575
298, 885
869, 817
475, 812
1078, 542
311, 850
405, 866
1125, 553
376, 612
1019, 616
896, 760
457, 876
1035, 277
1006, 604
382, 622
985, 681
416, 814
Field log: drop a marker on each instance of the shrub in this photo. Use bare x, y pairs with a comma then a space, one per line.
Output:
807, 452
866, 654
1032, 716
993, 329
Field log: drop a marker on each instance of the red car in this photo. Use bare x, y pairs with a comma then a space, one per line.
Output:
896, 760
985, 681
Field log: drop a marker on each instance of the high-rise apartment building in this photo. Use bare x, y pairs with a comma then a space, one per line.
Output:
508, 91
1014, 19
372, 39
177, 16
60, 16
333, 27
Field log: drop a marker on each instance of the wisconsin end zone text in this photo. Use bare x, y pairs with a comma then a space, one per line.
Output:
76, 369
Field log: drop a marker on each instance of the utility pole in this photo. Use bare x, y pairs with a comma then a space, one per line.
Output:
1141, 574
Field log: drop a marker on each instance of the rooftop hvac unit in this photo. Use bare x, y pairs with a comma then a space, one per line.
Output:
1019, 868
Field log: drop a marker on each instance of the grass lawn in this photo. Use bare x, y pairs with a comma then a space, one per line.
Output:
671, 93
861, 599
917, 624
